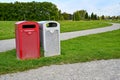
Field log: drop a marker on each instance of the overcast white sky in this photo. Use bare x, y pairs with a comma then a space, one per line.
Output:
106, 7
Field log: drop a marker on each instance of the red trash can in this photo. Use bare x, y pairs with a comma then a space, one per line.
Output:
27, 40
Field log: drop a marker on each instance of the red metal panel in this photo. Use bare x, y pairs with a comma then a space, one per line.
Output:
27, 40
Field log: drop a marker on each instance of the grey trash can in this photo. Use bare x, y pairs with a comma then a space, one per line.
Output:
50, 37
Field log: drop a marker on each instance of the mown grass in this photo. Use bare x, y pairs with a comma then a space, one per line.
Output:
114, 21
69, 26
7, 28
81, 49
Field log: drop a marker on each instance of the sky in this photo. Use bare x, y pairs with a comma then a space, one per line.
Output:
99, 7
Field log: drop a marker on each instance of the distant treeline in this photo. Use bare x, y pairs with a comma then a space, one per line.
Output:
28, 11
83, 15
43, 11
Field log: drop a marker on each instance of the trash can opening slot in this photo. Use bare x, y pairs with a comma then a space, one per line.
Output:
28, 26
51, 25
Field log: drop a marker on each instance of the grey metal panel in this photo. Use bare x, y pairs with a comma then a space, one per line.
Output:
52, 43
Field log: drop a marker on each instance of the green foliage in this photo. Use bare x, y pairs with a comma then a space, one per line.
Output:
94, 16
81, 49
60, 16
67, 16
86, 16
76, 16
82, 14
28, 11
102, 17
79, 15
37, 11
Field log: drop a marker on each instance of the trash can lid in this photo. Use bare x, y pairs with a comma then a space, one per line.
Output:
27, 22
20, 22
44, 22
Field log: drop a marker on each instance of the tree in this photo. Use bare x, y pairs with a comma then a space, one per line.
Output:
102, 17
67, 16
61, 18
108, 17
29, 11
80, 15
118, 17
98, 18
95, 17
76, 16
86, 16
92, 16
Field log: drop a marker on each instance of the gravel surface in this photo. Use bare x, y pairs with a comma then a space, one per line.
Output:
95, 70
10, 44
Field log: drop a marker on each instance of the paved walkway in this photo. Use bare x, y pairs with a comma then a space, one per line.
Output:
10, 44
69, 35
95, 70
7, 45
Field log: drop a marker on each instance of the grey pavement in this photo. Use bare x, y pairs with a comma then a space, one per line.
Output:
69, 35
10, 44
95, 70
7, 45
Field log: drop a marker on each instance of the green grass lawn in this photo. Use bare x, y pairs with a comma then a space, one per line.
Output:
81, 49
115, 21
7, 28
69, 26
